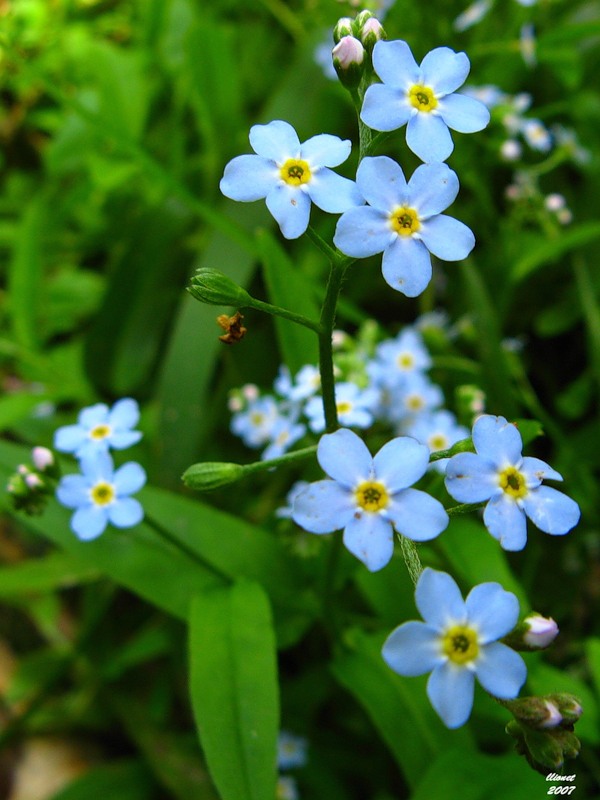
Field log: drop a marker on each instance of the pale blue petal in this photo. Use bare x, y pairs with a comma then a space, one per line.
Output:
248, 178
97, 467
73, 491
400, 463
447, 238
345, 457
536, 470
291, 208
69, 438
363, 232
497, 440
323, 507
417, 515
506, 522
451, 689
276, 141
370, 538
125, 513
444, 70
432, 187
406, 266
501, 671
386, 108
325, 150
551, 511
412, 649
395, 64
427, 135
93, 415
470, 478
122, 439
88, 522
129, 478
492, 610
463, 114
356, 417
124, 414
439, 600
382, 183
333, 193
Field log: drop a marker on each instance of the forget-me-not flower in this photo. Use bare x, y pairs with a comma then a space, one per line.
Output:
370, 496
290, 175
355, 407
101, 495
100, 428
291, 750
424, 97
511, 483
457, 642
404, 222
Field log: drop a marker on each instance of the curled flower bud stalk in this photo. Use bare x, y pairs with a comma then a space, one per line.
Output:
211, 474
349, 60
343, 27
213, 287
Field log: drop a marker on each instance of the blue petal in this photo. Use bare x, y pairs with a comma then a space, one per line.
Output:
450, 690
427, 135
470, 478
325, 150
400, 463
506, 522
432, 187
129, 478
323, 507
122, 439
551, 511
69, 438
536, 470
386, 108
395, 64
406, 266
124, 414
463, 114
497, 440
371, 539
88, 522
333, 193
93, 415
291, 208
493, 610
412, 649
447, 238
417, 515
125, 513
345, 457
248, 178
363, 232
276, 141
439, 600
444, 70
73, 491
382, 183
501, 671
97, 467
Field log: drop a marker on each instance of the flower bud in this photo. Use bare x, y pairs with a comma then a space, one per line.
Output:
348, 59
371, 33
569, 707
360, 20
541, 631
42, 458
213, 287
211, 474
342, 28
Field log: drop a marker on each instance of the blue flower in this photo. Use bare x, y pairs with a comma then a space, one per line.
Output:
100, 428
289, 175
101, 495
404, 222
291, 750
511, 483
354, 406
369, 497
439, 430
457, 642
422, 96
285, 432
256, 423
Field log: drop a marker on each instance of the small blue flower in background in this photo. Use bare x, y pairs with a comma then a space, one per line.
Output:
289, 175
511, 483
422, 96
255, 424
457, 642
439, 430
291, 750
287, 788
404, 222
355, 407
285, 432
100, 428
369, 497
101, 495
396, 359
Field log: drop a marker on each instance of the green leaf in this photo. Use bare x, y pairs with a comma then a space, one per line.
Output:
592, 651
233, 685
25, 274
56, 571
550, 251
121, 780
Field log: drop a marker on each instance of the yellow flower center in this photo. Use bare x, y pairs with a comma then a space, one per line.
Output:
256, 418
100, 432
371, 496
103, 493
422, 98
460, 644
295, 172
405, 361
414, 402
513, 482
405, 221
438, 442
343, 407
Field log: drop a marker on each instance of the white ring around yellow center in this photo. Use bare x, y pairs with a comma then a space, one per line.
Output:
103, 493
460, 644
422, 98
371, 496
100, 431
513, 482
295, 172
404, 220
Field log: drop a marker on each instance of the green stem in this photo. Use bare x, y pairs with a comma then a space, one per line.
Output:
464, 508
411, 558
288, 458
284, 313
327, 321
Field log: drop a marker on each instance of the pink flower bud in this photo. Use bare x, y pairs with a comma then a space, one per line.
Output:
371, 33
554, 717
42, 458
541, 631
348, 52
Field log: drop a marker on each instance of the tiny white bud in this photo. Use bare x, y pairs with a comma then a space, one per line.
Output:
511, 150
564, 216
542, 631
348, 52
33, 481
42, 458
554, 201
250, 391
